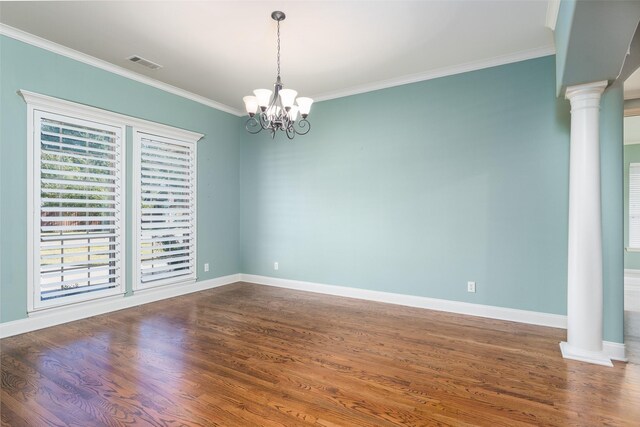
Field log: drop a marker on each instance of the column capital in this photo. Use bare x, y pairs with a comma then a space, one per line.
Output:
586, 90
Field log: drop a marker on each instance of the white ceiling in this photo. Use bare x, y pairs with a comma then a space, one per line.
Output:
223, 50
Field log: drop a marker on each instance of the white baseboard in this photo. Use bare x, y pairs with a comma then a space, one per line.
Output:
493, 312
614, 351
595, 357
610, 351
70, 313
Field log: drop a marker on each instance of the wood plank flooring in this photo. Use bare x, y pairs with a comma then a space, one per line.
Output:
249, 355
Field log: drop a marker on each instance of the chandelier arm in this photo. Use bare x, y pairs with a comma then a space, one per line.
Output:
251, 124
291, 132
265, 121
302, 127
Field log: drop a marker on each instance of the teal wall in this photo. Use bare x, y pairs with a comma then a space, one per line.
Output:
561, 37
27, 67
415, 189
420, 188
611, 186
631, 155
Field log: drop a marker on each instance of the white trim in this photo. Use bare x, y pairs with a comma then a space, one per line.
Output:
135, 210
632, 287
615, 351
368, 87
93, 113
632, 143
34, 40
195, 210
631, 278
595, 357
60, 315
631, 94
159, 134
440, 72
553, 8
139, 290
492, 312
79, 115
633, 232
70, 313
612, 350
31, 225
586, 95
631, 290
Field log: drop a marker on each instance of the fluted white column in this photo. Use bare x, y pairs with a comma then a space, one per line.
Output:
584, 290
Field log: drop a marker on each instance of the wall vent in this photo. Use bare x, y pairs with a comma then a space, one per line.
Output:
144, 62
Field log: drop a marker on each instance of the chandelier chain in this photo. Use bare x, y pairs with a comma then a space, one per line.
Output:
278, 48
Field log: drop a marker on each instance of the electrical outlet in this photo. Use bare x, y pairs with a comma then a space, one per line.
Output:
206, 266
275, 265
471, 286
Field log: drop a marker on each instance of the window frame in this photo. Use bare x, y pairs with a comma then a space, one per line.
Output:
36, 101
179, 137
631, 247
37, 106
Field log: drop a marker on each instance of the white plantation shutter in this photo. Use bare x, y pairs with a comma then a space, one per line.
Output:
78, 223
165, 198
634, 205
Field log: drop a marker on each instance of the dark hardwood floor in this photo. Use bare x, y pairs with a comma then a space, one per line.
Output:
244, 355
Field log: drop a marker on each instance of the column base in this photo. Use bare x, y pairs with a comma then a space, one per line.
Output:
596, 357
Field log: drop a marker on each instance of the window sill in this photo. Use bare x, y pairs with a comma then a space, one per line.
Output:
151, 289
75, 305
632, 249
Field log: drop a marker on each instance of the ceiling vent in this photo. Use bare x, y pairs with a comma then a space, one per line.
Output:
144, 62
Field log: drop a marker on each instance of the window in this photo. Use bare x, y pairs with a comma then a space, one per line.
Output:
634, 206
76, 237
164, 209
76, 203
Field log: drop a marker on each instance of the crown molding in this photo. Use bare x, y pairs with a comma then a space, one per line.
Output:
42, 43
34, 40
440, 72
553, 8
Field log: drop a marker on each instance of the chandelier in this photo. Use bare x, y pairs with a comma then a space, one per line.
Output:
275, 110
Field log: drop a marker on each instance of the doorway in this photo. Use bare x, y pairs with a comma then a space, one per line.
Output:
631, 158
